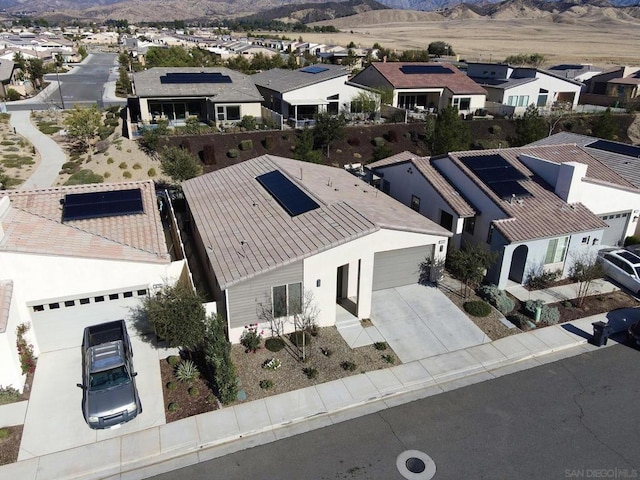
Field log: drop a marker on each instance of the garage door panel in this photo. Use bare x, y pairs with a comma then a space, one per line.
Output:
617, 227
396, 268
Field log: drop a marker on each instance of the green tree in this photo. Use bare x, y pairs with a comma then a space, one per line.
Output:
303, 149
82, 126
383, 151
328, 129
20, 61
530, 127
217, 352
604, 126
35, 69
292, 62
123, 85
440, 48
584, 270
151, 136
179, 164
450, 132
82, 51
192, 125
469, 264
177, 315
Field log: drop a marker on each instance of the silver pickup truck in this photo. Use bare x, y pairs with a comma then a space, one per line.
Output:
110, 397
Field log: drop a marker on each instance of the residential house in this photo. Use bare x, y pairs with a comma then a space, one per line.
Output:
216, 95
423, 86
623, 159
512, 89
76, 256
579, 72
301, 94
534, 206
616, 87
278, 235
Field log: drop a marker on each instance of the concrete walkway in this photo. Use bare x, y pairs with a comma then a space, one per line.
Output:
196, 439
561, 293
52, 157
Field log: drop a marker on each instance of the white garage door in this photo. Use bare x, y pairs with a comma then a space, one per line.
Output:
617, 222
57, 326
399, 267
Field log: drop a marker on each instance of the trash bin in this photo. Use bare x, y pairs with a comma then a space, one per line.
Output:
601, 332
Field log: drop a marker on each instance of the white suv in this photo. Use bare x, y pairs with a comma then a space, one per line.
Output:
623, 266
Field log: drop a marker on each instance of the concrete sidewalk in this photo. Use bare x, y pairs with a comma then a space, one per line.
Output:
167, 447
561, 293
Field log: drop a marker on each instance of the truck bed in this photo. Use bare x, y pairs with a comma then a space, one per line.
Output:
105, 333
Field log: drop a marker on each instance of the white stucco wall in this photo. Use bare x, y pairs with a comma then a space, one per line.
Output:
10, 370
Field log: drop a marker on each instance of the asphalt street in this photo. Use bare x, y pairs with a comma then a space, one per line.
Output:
575, 418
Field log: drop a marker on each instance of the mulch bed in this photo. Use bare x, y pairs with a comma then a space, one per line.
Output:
10, 445
595, 304
188, 405
291, 376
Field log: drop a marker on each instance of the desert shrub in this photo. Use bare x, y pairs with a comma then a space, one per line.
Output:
172, 386
538, 278
268, 143
274, 344
151, 172
299, 338
248, 122
8, 395
389, 358
246, 145
378, 141
495, 129
251, 339
126, 174
186, 371
102, 146
380, 345
136, 166
13, 95
106, 174
83, 177
105, 131
70, 167
266, 384
310, 372
327, 352
173, 407
477, 308
272, 364
519, 320
393, 136
353, 141
530, 307
12, 149
348, 366
233, 153
550, 315
496, 297
173, 360
48, 128
110, 160
383, 151
4, 433
123, 166
7, 142
632, 240
109, 115
193, 391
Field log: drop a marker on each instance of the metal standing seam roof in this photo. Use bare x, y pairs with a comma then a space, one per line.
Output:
457, 82
544, 214
625, 166
423, 164
6, 293
241, 88
33, 224
245, 232
282, 81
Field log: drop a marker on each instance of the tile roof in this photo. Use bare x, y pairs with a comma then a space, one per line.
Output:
33, 224
627, 167
281, 80
6, 293
457, 81
440, 184
246, 232
544, 214
241, 88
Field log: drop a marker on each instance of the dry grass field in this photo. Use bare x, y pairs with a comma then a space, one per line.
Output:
600, 39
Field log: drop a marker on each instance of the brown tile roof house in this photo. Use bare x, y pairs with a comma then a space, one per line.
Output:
246, 232
444, 75
33, 223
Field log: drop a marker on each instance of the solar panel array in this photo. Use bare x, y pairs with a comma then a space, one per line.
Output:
81, 206
613, 147
314, 69
185, 78
286, 193
498, 174
425, 69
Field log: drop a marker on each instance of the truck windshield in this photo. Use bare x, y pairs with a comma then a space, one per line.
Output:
108, 378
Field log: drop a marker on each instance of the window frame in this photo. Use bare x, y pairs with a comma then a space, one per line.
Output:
470, 225
285, 307
552, 258
415, 203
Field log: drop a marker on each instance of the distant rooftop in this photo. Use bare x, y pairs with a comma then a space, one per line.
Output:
281, 80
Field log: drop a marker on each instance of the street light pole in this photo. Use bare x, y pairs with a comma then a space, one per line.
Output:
59, 86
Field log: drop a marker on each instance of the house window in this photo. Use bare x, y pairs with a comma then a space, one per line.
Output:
446, 220
462, 103
287, 300
228, 112
470, 224
556, 250
69, 303
523, 100
415, 203
490, 234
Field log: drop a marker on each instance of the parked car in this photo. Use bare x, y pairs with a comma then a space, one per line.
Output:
622, 266
634, 333
110, 396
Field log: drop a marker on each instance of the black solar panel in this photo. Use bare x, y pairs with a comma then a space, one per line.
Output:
508, 190
614, 147
498, 174
314, 69
183, 78
484, 161
424, 69
287, 193
79, 206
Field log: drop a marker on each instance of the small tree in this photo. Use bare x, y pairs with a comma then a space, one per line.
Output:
450, 132
470, 264
217, 352
151, 136
82, 126
303, 149
192, 125
530, 127
179, 164
440, 48
604, 126
35, 69
177, 315
584, 271
328, 129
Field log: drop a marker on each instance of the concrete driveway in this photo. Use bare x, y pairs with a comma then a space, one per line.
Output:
54, 420
419, 321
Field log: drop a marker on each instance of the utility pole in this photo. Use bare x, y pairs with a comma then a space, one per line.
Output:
58, 61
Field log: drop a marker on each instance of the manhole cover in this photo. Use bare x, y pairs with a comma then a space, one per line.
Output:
415, 465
